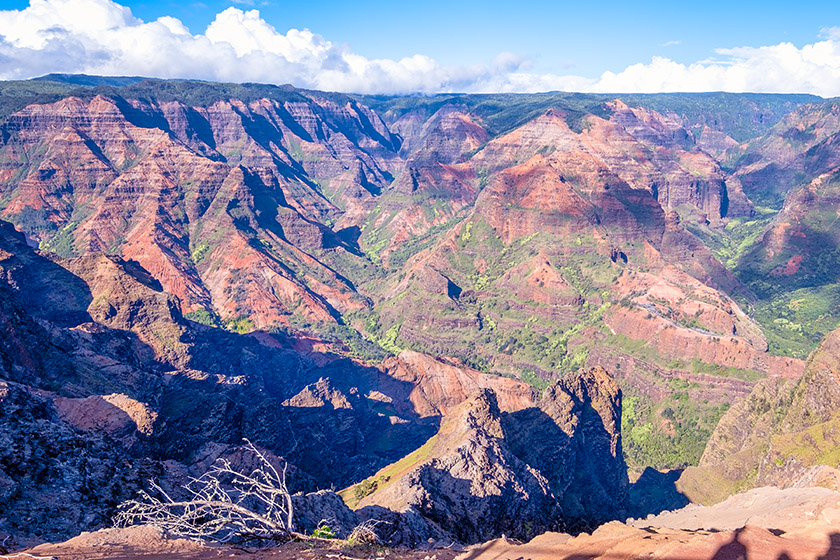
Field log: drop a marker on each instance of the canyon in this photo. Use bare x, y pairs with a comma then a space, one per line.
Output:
433, 309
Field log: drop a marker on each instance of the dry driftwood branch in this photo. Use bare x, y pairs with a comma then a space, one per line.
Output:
222, 505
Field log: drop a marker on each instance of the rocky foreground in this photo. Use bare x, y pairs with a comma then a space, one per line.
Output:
765, 523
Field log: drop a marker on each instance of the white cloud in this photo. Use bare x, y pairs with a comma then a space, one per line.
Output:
103, 37
782, 68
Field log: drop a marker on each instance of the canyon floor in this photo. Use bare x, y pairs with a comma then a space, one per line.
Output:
765, 523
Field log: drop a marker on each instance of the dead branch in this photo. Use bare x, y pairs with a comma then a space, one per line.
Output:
365, 533
222, 505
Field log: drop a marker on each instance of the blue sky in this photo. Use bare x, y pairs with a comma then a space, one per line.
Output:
586, 37
543, 45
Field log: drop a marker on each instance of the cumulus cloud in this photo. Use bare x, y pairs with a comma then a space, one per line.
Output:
782, 68
104, 37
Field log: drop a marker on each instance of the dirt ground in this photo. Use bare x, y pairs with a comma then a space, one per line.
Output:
766, 523
146, 543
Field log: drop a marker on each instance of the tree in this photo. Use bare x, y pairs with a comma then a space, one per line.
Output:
222, 505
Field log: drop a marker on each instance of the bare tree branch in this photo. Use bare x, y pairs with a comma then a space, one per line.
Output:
222, 505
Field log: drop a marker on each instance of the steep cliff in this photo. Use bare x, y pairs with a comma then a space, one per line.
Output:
556, 464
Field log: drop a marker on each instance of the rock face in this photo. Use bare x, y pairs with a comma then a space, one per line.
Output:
803, 143
782, 434
55, 477
217, 203
557, 464
584, 461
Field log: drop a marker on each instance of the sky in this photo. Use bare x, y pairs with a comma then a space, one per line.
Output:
374, 46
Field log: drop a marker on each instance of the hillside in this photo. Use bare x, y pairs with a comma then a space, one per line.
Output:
783, 434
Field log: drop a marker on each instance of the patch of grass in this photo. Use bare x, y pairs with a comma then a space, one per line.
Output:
817, 445
388, 475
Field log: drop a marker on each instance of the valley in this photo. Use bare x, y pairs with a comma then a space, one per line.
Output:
464, 315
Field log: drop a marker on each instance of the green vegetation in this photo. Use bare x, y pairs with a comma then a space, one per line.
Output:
201, 250
388, 475
204, 317
364, 488
324, 531
671, 433
240, 325
534, 380
355, 345
815, 445
737, 238
796, 321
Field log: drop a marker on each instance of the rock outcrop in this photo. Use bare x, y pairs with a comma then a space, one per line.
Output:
56, 478
555, 465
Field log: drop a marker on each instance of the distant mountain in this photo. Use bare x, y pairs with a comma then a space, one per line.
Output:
90, 81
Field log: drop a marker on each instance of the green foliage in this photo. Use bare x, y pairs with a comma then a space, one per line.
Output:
241, 325
62, 243
364, 488
668, 434
534, 380
355, 344
389, 340
200, 252
796, 321
16, 95
204, 317
324, 531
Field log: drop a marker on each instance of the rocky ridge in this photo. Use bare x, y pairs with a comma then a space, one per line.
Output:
555, 464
